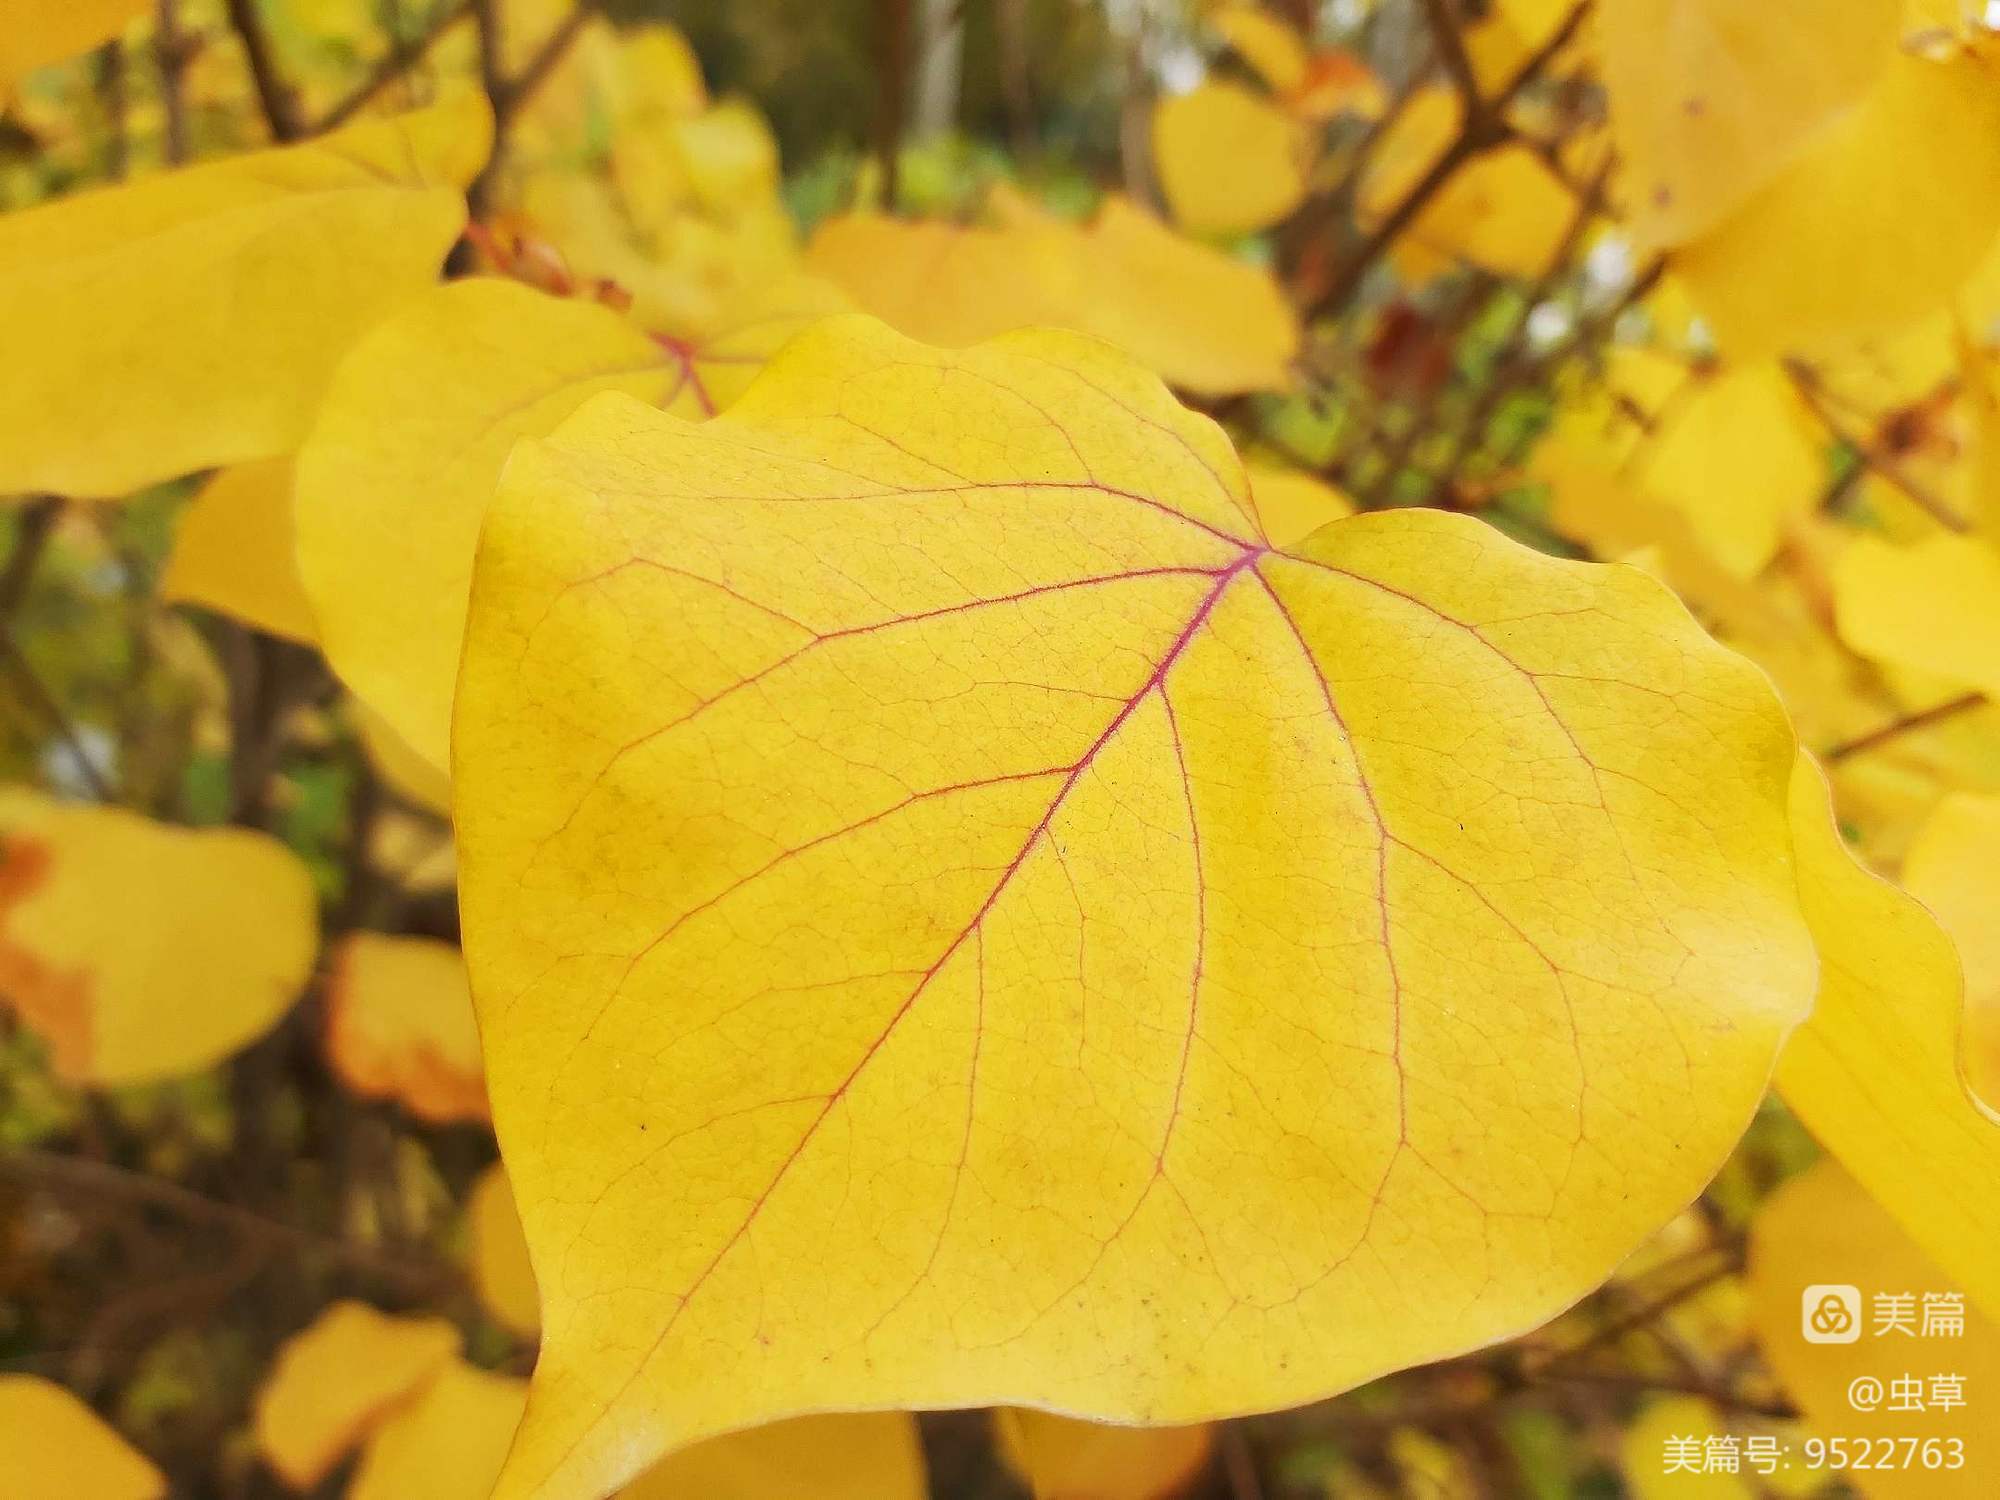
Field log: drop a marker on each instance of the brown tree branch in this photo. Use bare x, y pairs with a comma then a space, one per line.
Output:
401, 58
1481, 130
1909, 723
280, 106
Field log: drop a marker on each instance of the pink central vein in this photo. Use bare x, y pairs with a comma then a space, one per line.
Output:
1155, 681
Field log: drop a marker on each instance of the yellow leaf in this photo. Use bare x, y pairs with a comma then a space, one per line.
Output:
445, 1444
1875, 1073
1270, 45
137, 950
1199, 319
1933, 607
1644, 1449
400, 1025
332, 1383
1953, 867
396, 474
1203, 321
931, 750
407, 774
449, 1443
234, 552
859, 1456
1064, 1459
1732, 452
193, 318
53, 1447
1710, 99
1503, 210
1229, 161
1849, 237
1821, 1230
1292, 504
500, 1268
40, 32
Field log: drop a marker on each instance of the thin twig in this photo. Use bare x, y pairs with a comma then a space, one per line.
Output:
1239, 1463
509, 96
1481, 130
1451, 47
34, 525
1875, 738
172, 52
281, 109
56, 1171
401, 58
1812, 390
892, 84
52, 712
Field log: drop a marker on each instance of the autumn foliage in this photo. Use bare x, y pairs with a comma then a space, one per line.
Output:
1197, 748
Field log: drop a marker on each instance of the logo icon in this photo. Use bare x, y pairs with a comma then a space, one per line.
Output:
1830, 1314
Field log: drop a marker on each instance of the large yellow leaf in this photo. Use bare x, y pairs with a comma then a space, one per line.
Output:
1852, 236
917, 813
193, 318
1875, 1073
1933, 607
396, 474
334, 1381
53, 1447
139, 950
1230, 161
1821, 1229
399, 1025
1064, 1459
39, 32
234, 551
1711, 98
1953, 867
1201, 320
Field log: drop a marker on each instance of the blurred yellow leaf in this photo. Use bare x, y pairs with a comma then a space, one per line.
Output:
1229, 161
500, 1268
1062, 1458
963, 694
1733, 452
1874, 1073
1270, 45
1650, 1472
1821, 1229
1503, 210
193, 318
841, 1456
1953, 867
53, 1447
1933, 606
234, 551
397, 471
40, 32
399, 1025
138, 950
1855, 235
334, 1381
446, 1443
1202, 321
407, 774
1710, 99
1292, 504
